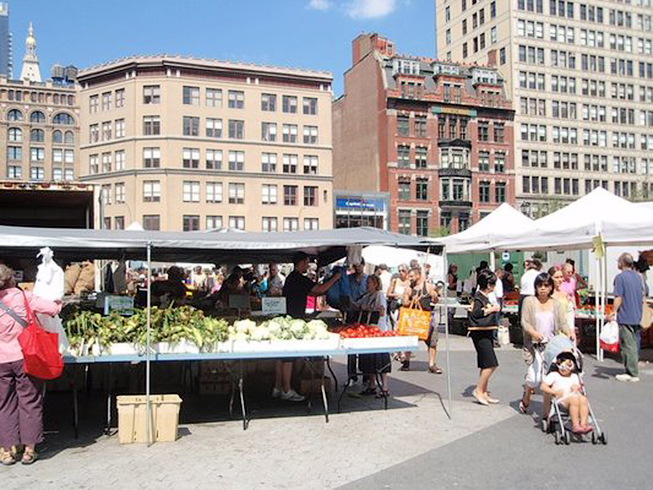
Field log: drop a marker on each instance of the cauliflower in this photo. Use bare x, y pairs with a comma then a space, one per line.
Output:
242, 337
297, 328
260, 333
317, 326
244, 326
274, 327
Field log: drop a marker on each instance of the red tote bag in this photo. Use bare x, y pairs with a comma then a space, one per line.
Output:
40, 349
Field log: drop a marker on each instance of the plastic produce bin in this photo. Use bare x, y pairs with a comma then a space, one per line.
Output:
132, 418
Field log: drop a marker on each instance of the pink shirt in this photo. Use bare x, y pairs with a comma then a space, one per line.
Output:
10, 329
569, 287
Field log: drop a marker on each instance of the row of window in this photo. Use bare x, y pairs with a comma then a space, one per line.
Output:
212, 98
59, 173
591, 162
591, 137
590, 87
15, 135
214, 193
588, 112
37, 117
571, 187
37, 155
191, 222
590, 13
456, 190
213, 129
37, 97
191, 159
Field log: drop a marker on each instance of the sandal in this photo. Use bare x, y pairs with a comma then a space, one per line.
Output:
29, 457
383, 394
435, 370
6, 457
368, 391
523, 408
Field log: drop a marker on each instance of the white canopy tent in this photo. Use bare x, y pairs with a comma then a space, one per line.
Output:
499, 225
616, 220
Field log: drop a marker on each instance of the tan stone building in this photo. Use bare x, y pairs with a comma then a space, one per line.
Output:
188, 144
580, 75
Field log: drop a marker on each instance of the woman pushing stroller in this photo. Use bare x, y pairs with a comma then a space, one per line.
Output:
542, 318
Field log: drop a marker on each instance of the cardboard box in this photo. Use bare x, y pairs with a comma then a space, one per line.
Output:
132, 418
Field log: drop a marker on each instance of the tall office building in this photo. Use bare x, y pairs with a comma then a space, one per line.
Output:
580, 75
192, 144
5, 42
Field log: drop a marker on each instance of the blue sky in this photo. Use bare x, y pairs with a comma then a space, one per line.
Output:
314, 34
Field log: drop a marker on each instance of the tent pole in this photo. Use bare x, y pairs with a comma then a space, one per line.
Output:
446, 326
148, 344
597, 302
605, 290
493, 260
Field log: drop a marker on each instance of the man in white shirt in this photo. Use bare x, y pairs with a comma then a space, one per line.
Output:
385, 276
527, 283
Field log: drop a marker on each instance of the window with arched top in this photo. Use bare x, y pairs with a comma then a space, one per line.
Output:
14, 115
57, 137
69, 138
37, 117
37, 135
63, 118
15, 135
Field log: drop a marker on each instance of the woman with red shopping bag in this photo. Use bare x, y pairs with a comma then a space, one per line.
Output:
21, 396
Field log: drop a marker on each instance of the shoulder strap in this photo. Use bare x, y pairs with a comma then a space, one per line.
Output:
13, 314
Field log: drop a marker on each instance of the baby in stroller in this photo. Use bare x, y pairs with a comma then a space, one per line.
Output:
564, 384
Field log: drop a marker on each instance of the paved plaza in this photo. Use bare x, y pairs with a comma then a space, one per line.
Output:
411, 445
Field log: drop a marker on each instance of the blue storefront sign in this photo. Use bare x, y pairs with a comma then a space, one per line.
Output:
360, 204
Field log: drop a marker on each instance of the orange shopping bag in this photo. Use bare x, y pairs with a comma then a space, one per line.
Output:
413, 320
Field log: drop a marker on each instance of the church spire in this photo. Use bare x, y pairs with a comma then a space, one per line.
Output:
30, 71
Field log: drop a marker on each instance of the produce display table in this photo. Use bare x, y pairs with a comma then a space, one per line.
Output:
351, 347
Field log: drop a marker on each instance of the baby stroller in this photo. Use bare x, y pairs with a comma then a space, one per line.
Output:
558, 420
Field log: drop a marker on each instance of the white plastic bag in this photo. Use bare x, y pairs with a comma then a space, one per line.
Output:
609, 338
503, 335
535, 371
49, 285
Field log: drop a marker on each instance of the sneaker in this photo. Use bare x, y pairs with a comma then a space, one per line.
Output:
633, 379
276, 392
292, 396
626, 377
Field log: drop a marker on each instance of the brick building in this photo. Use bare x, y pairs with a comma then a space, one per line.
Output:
437, 136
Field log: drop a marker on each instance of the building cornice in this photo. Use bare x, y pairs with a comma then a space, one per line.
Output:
178, 62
